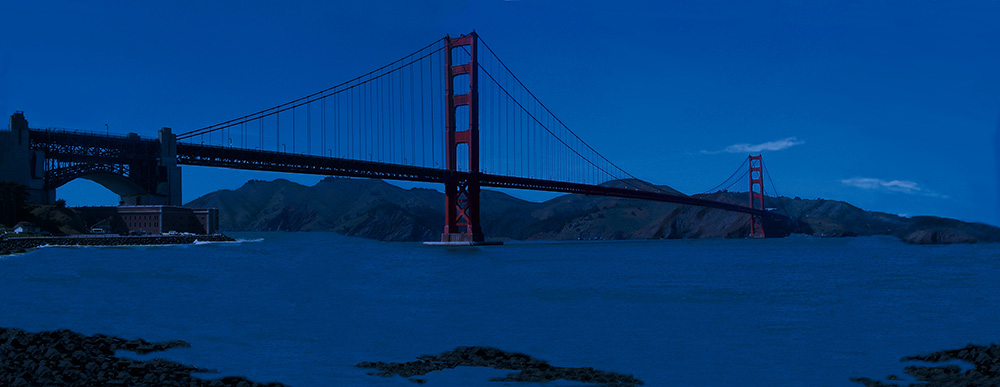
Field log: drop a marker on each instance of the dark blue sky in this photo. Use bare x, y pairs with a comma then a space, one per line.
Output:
892, 106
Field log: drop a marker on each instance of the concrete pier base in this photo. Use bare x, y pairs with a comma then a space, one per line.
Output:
464, 243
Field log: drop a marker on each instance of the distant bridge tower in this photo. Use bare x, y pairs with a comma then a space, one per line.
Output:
756, 195
462, 222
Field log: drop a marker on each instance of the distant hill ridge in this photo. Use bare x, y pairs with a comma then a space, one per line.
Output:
374, 209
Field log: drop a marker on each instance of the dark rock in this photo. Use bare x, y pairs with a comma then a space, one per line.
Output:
65, 358
531, 369
984, 371
938, 237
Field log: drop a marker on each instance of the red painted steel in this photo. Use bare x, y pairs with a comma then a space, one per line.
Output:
756, 195
462, 222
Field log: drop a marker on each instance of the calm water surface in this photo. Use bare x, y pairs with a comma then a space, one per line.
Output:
303, 308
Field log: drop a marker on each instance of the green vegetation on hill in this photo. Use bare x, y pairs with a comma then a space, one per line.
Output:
375, 209
55, 219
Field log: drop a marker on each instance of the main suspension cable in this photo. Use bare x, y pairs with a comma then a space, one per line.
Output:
308, 98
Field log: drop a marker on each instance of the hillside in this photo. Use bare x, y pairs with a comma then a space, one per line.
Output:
378, 210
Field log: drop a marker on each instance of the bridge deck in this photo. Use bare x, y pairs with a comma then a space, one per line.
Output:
93, 147
237, 158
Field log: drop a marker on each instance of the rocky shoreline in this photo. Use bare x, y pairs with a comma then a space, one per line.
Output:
531, 369
18, 245
65, 358
983, 369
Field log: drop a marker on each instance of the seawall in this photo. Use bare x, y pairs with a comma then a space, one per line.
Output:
17, 245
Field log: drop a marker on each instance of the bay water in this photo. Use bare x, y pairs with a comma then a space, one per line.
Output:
303, 308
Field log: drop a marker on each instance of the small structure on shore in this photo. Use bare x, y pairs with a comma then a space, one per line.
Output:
102, 227
26, 228
152, 220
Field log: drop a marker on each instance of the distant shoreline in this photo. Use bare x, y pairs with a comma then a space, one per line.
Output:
374, 209
19, 245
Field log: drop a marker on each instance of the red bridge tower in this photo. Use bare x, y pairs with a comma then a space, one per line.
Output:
462, 222
756, 195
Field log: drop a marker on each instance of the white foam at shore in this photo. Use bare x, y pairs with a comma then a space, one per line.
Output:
197, 242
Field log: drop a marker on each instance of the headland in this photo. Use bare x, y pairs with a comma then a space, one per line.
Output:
374, 209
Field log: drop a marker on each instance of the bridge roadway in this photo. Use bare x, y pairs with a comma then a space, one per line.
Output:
98, 148
237, 158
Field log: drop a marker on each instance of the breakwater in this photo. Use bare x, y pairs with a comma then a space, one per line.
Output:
18, 245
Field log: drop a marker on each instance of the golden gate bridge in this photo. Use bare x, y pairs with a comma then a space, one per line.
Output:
451, 112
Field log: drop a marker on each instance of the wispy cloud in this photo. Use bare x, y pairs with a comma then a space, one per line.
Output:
900, 186
757, 148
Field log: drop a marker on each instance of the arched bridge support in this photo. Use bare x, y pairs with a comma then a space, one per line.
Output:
163, 179
157, 173
140, 171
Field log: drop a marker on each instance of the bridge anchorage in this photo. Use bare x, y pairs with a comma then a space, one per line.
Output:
141, 171
450, 113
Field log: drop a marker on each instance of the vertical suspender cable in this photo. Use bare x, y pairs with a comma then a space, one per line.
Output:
309, 128
373, 111
380, 105
435, 88
413, 121
322, 127
423, 130
402, 131
388, 119
349, 123
430, 106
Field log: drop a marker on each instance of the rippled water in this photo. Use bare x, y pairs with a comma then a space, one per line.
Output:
303, 308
